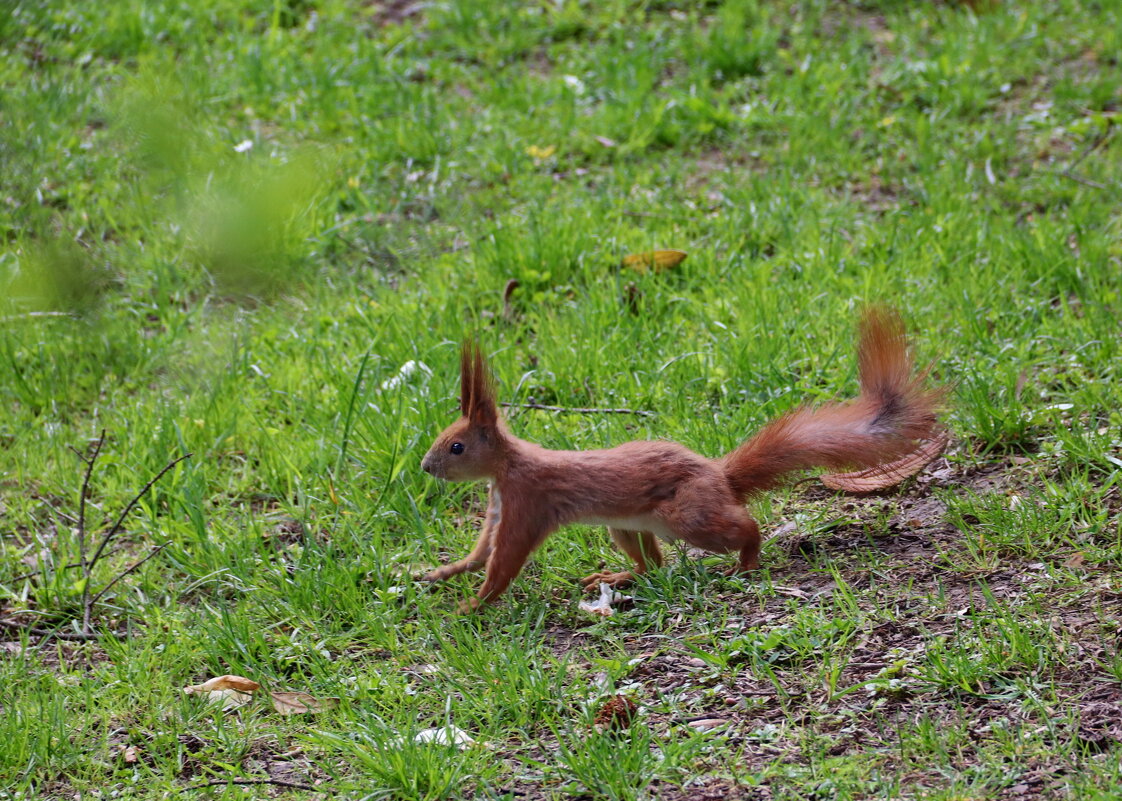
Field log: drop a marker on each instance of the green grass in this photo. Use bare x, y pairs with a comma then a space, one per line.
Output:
228, 227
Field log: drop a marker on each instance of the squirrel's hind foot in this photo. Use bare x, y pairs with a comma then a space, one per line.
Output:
614, 580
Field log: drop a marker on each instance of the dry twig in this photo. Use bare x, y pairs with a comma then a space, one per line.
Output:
87, 564
574, 410
72, 636
33, 315
1095, 145
254, 782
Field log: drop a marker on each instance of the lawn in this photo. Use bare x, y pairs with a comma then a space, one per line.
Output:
256, 233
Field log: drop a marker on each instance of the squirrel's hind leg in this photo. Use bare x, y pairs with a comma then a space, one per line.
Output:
643, 549
721, 529
749, 558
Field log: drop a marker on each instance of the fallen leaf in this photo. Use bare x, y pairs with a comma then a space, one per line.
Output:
300, 703
232, 691
707, 724
239, 683
782, 531
793, 592
657, 260
887, 475
128, 753
540, 153
602, 681
1075, 560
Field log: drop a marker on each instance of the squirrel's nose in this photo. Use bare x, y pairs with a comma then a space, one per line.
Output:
426, 466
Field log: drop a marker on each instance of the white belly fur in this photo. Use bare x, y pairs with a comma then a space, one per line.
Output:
639, 523
494, 506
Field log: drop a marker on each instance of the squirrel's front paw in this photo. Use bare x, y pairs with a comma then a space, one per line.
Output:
449, 570
468, 607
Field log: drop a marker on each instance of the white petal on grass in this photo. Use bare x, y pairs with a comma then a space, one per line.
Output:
574, 83
445, 735
603, 605
243, 146
407, 371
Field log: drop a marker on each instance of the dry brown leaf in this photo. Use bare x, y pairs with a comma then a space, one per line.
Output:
793, 592
128, 753
239, 683
232, 691
707, 724
1075, 560
301, 703
657, 260
887, 475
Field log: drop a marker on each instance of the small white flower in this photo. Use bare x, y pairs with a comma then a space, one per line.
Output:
408, 371
243, 145
574, 83
448, 735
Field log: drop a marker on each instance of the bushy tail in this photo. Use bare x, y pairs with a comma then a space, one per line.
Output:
892, 412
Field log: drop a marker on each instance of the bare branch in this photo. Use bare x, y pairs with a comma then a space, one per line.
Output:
136, 499
252, 782
125, 572
1079, 179
87, 603
574, 410
1095, 145
70, 566
83, 494
34, 314
74, 636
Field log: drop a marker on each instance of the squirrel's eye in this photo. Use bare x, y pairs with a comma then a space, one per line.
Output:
457, 448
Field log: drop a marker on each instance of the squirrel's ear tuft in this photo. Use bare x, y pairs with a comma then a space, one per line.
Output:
484, 408
467, 370
477, 387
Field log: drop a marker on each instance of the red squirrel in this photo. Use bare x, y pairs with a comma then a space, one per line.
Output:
647, 490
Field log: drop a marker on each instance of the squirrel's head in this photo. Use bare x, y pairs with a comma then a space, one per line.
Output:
473, 446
